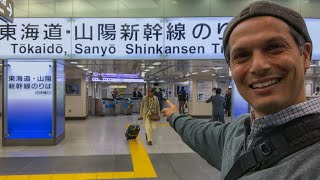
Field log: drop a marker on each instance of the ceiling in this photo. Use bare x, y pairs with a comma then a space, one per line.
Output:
158, 69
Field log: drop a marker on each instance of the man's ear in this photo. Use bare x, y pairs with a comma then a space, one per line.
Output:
306, 55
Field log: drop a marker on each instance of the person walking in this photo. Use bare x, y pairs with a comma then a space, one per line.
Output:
149, 107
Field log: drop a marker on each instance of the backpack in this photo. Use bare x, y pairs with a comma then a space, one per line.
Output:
276, 143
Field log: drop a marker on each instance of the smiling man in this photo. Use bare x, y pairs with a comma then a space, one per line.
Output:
268, 49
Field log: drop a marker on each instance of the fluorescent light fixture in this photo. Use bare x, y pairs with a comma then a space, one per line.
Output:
151, 67
222, 76
188, 74
205, 71
213, 74
85, 69
313, 65
194, 73
156, 63
162, 81
80, 66
143, 64
74, 62
90, 72
181, 76
147, 70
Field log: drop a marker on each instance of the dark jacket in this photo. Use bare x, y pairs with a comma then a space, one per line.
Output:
221, 145
182, 95
218, 103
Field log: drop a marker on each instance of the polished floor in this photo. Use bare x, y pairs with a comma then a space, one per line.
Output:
96, 148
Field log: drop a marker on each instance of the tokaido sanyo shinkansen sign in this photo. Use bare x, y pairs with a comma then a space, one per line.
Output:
120, 38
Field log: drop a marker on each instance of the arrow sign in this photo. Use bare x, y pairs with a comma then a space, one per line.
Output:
6, 10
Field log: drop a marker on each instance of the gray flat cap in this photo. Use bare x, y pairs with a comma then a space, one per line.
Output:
265, 8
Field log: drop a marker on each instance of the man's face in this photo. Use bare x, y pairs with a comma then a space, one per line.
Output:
266, 64
150, 93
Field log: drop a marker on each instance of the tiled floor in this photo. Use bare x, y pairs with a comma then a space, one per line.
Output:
99, 144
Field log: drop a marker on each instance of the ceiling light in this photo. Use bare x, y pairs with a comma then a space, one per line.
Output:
90, 72
157, 63
74, 62
85, 69
195, 73
213, 74
147, 70
188, 74
80, 66
143, 64
205, 71
181, 76
151, 67
313, 65
221, 76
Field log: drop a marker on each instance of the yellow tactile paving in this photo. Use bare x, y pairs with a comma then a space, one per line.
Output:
142, 168
85, 176
17, 177
161, 124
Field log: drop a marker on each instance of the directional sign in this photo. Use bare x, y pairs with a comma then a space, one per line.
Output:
6, 10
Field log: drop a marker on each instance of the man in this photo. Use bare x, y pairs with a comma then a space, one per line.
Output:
228, 101
115, 93
317, 93
149, 105
182, 100
140, 93
135, 93
160, 98
268, 49
218, 104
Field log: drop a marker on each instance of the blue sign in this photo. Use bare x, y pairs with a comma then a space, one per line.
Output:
30, 97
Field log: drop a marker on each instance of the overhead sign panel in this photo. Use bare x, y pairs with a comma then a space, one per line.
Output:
121, 38
6, 10
38, 38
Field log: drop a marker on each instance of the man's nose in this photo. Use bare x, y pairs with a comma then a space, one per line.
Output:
260, 63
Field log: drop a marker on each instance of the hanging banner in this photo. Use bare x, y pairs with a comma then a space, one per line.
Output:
121, 38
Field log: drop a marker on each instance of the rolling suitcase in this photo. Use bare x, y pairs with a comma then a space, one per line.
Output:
132, 131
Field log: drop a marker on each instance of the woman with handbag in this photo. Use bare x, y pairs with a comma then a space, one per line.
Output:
150, 113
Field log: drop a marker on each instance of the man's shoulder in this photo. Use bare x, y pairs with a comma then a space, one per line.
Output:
239, 120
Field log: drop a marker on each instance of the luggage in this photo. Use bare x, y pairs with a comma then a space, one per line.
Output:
132, 131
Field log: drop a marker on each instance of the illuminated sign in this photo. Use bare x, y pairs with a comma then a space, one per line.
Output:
30, 99
111, 75
121, 38
117, 80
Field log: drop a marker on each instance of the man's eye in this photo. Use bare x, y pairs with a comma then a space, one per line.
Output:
276, 46
240, 56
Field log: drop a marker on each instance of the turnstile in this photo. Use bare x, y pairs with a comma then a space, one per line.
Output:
136, 103
110, 106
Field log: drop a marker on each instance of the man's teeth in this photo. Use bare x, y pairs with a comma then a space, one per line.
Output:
265, 84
